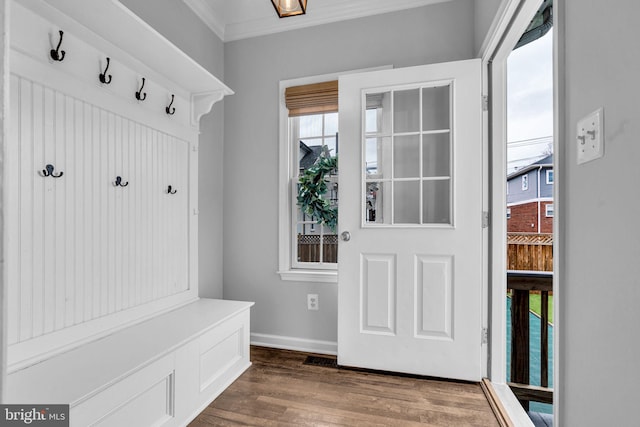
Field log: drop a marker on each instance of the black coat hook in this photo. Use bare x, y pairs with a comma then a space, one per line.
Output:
103, 76
139, 95
170, 111
48, 171
119, 182
169, 191
57, 54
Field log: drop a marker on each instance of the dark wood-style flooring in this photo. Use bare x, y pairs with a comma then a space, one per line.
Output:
279, 390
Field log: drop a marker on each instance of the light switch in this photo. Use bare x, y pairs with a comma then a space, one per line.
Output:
590, 137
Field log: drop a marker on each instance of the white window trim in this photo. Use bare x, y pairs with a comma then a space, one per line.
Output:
285, 269
549, 172
546, 210
508, 213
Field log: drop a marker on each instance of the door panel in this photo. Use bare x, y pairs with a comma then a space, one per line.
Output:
410, 277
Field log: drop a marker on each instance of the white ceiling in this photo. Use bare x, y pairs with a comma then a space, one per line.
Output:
240, 19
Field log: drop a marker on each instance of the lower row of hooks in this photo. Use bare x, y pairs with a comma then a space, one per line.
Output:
49, 171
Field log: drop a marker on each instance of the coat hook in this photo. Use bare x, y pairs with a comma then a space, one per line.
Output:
139, 95
169, 191
119, 182
48, 171
170, 111
103, 76
57, 54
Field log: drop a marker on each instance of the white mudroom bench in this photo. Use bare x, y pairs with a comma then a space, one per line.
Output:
161, 372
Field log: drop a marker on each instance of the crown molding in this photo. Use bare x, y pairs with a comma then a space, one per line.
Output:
316, 15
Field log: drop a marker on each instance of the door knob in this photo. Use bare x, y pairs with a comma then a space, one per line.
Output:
345, 236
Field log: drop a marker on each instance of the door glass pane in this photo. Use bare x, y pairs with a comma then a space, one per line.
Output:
406, 202
378, 117
406, 111
376, 209
406, 156
436, 201
435, 108
436, 155
377, 150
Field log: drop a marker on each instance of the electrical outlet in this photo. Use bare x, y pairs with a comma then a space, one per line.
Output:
312, 302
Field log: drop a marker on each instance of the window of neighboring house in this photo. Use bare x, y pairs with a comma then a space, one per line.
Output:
508, 213
525, 182
549, 176
548, 210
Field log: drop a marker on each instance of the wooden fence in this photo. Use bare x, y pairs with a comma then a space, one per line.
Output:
529, 252
309, 248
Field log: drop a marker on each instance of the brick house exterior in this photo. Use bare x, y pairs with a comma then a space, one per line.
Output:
530, 198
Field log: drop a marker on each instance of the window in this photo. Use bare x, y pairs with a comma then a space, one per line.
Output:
312, 138
525, 182
548, 210
308, 127
508, 213
308, 132
549, 176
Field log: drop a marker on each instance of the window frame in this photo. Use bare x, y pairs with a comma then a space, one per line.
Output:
549, 207
508, 213
286, 270
549, 173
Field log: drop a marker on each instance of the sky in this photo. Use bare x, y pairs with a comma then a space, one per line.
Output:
530, 101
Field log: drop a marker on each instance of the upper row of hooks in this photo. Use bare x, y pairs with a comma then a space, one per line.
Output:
58, 55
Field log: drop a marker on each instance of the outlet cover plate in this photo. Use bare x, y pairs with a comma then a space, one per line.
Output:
312, 302
590, 137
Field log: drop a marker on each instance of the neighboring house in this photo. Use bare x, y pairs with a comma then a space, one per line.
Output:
530, 198
308, 155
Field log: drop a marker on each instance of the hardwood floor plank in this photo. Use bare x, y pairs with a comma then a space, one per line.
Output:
280, 390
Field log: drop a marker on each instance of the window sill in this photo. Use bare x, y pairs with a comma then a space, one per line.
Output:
327, 276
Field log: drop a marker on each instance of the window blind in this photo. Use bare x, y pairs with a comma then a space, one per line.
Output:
313, 98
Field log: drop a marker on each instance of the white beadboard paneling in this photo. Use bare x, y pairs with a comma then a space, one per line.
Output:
85, 257
14, 294
81, 247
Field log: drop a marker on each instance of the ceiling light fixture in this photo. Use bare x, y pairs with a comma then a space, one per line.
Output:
286, 8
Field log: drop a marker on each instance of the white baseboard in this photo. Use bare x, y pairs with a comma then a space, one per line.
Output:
294, 343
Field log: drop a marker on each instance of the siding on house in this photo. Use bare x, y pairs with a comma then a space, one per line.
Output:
524, 218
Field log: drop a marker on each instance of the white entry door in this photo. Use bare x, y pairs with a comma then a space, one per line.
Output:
410, 258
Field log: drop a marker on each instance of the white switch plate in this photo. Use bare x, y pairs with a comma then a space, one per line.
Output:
590, 137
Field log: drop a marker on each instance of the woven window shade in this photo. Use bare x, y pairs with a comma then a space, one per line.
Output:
315, 98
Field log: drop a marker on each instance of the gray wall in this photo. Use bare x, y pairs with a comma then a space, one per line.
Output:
485, 12
600, 202
175, 20
254, 67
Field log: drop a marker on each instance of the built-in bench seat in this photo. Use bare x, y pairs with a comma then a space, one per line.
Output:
163, 371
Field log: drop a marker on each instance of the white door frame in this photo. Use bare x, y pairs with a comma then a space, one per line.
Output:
511, 20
